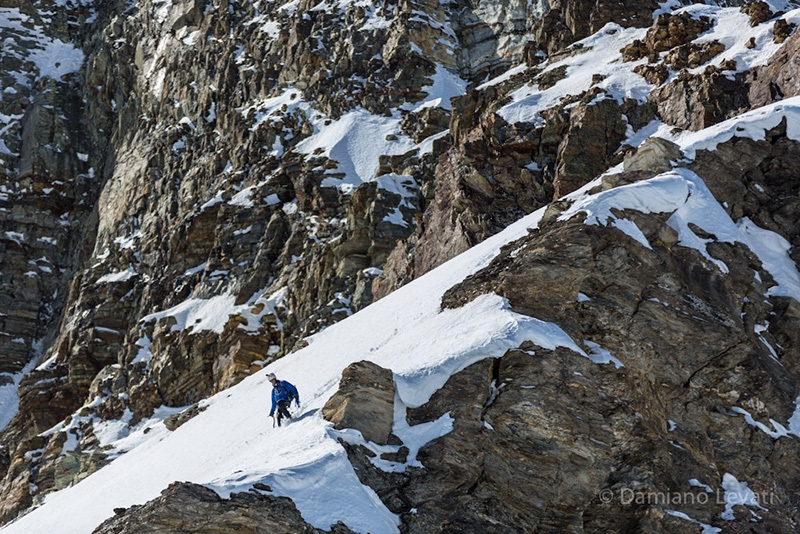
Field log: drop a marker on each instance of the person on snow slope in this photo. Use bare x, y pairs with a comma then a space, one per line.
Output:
282, 394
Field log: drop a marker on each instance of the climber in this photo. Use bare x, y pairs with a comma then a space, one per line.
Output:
282, 394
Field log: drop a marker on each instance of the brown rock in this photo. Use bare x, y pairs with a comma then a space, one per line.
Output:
755, 180
571, 21
72, 467
669, 31
365, 402
782, 30
173, 421
696, 101
758, 11
596, 130
548, 79
654, 74
634, 51
690, 56
674, 33
622, 443
778, 79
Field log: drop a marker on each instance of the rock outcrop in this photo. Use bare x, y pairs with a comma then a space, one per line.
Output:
364, 402
548, 440
697, 101
779, 78
186, 507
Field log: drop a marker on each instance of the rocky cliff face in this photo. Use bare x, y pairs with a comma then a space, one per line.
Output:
191, 188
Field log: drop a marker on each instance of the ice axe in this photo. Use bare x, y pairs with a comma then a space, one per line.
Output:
273, 421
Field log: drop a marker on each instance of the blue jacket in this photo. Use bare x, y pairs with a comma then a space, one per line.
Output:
283, 391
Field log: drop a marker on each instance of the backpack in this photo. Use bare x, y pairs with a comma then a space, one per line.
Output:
284, 392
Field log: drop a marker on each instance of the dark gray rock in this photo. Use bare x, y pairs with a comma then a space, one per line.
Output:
778, 79
187, 507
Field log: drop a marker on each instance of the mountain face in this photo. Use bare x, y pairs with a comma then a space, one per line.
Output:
192, 189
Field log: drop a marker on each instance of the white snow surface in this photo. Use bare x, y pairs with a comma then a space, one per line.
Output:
779, 432
732, 29
199, 314
707, 529
51, 57
446, 85
9, 399
752, 125
737, 494
232, 445
213, 313
598, 54
120, 276
355, 142
683, 193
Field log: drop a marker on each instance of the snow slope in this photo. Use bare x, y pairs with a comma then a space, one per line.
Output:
232, 444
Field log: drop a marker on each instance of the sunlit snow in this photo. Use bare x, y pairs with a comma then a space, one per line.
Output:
355, 142
446, 85
598, 54
737, 494
9, 400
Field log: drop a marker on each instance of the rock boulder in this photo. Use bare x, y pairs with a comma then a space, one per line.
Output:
365, 402
187, 507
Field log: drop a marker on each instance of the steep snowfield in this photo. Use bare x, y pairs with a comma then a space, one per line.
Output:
232, 444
